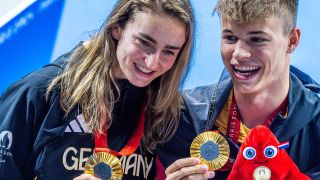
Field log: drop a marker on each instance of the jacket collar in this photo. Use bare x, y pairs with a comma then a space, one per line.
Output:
303, 107
221, 93
204, 103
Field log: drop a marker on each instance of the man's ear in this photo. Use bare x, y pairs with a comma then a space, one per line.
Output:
294, 39
116, 32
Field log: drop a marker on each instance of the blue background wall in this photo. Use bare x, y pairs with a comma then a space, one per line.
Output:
62, 24
28, 40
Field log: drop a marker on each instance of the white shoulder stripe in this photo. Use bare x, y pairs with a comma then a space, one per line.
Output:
78, 125
68, 129
74, 126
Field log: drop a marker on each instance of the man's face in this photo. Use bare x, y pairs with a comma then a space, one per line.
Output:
256, 54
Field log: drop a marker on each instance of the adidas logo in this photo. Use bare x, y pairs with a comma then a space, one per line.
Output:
78, 125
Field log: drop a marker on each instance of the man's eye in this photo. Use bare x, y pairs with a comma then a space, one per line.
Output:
257, 40
230, 39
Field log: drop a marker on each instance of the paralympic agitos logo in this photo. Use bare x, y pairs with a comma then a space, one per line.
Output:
5, 139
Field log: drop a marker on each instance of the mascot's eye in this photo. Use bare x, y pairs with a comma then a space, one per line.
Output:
249, 153
270, 151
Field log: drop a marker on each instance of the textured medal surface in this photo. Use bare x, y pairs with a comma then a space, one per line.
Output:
104, 166
262, 173
211, 148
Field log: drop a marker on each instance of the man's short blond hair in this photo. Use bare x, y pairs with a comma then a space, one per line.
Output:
245, 11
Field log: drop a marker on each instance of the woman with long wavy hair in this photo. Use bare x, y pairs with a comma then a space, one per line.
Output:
107, 103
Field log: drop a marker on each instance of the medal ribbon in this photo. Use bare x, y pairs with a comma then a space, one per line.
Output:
101, 140
233, 128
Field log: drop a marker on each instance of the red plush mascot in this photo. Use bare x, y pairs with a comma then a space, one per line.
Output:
262, 157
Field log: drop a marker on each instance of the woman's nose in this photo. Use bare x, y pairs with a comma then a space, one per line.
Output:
152, 61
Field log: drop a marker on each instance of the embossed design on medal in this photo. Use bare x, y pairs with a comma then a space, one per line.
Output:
211, 148
104, 165
262, 173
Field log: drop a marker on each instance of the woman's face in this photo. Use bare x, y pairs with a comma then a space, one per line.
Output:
147, 47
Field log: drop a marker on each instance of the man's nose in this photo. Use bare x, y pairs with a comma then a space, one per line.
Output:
241, 50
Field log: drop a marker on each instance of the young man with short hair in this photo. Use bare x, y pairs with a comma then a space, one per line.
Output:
258, 38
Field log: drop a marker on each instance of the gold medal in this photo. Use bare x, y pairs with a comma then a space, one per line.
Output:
262, 173
104, 166
211, 148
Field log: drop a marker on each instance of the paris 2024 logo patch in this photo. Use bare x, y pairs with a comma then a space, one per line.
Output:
5, 145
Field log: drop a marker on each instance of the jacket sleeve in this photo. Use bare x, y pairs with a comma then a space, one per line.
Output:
22, 108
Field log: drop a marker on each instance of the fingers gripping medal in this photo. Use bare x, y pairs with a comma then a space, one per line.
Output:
211, 148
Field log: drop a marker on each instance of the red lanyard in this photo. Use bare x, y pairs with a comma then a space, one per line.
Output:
101, 140
233, 128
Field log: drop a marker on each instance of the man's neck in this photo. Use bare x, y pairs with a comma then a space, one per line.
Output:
256, 108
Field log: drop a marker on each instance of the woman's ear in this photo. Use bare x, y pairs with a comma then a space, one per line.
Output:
293, 39
116, 32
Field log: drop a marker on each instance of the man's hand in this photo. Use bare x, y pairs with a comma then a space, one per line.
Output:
188, 168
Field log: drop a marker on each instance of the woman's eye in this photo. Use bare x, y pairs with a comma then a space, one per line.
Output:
144, 43
145, 46
168, 53
249, 153
270, 151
